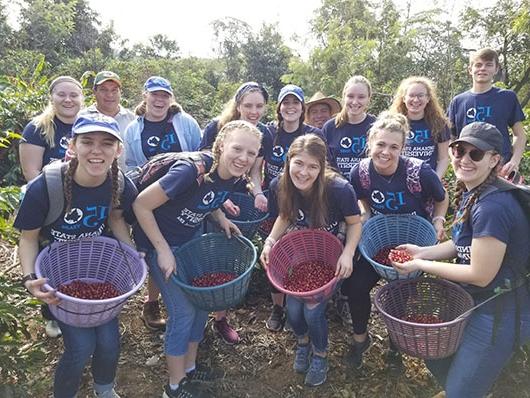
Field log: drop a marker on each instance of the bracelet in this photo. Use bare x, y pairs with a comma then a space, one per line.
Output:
259, 193
438, 218
29, 277
270, 241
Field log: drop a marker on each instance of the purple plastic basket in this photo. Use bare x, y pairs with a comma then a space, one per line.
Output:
98, 259
398, 300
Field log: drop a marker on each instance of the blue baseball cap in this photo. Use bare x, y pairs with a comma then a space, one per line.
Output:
291, 89
96, 122
157, 83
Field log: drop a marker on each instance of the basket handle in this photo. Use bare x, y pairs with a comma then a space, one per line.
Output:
92, 313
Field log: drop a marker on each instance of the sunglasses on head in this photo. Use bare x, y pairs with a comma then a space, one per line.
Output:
475, 154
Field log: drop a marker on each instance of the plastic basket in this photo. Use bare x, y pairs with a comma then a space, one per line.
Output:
391, 230
397, 300
249, 218
300, 246
265, 226
98, 259
214, 252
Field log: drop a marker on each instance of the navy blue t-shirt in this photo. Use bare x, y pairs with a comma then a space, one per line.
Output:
500, 216
281, 141
210, 134
342, 203
189, 203
63, 131
390, 195
420, 143
496, 106
347, 143
159, 137
87, 218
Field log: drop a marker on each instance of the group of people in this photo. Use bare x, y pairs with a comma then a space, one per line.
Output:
322, 164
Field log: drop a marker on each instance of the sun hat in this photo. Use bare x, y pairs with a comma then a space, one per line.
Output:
320, 98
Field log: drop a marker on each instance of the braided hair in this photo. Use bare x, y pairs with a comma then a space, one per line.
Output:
224, 133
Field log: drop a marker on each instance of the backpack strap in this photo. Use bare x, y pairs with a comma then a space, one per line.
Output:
364, 173
413, 167
53, 176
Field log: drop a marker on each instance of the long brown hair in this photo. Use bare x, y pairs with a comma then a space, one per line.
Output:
230, 111
290, 200
342, 117
434, 114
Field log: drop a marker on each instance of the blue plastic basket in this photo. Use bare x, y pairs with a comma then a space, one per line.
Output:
249, 218
391, 230
214, 252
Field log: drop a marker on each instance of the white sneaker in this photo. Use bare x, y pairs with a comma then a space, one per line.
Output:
107, 394
52, 329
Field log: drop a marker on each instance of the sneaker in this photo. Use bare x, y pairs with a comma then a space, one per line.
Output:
287, 325
107, 394
354, 357
205, 373
394, 362
318, 371
301, 358
343, 310
52, 329
276, 318
186, 389
227, 333
151, 316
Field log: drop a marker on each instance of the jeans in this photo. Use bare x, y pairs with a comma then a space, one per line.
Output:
185, 323
473, 369
309, 319
102, 343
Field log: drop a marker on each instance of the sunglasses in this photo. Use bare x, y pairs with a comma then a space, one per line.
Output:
459, 151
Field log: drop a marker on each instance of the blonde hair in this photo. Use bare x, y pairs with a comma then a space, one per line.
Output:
44, 121
342, 117
434, 114
390, 121
227, 130
230, 111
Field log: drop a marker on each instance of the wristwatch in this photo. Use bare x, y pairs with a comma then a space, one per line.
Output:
28, 277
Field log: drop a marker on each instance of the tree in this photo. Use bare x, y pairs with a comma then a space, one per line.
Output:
5, 31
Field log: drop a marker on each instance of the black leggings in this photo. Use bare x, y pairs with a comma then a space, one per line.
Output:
357, 287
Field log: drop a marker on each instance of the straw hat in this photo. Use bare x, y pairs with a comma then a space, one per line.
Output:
320, 98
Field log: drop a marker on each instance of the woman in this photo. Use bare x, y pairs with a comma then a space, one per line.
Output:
170, 213
346, 134
429, 127
249, 103
311, 195
382, 186
45, 138
290, 114
90, 181
161, 126
491, 244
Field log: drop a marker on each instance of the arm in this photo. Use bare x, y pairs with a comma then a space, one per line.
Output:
278, 229
226, 225
119, 227
28, 251
442, 251
486, 259
443, 158
30, 160
256, 177
148, 200
440, 209
353, 235
366, 212
518, 147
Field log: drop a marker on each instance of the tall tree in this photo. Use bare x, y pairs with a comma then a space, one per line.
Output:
230, 34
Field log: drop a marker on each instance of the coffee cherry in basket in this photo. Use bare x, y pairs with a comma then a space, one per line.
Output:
307, 276
213, 279
427, 319
89, 290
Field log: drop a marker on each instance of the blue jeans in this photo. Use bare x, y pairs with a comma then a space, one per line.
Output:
473, 369
185, 323
102, 343
309, 319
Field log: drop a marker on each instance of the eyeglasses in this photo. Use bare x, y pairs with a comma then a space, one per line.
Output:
476, 155
420, 96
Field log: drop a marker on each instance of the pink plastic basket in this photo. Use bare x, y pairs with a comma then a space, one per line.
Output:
399, 299
98, 259
298, 247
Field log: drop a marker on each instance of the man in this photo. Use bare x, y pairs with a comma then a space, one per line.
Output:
486, 103
107, 90
319, 109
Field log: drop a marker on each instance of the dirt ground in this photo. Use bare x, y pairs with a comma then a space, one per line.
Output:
261, 365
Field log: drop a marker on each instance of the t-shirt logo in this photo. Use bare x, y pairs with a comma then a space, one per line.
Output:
346, 142
208, 198
301, 215
73, 216
277, 151
410, 135
63, 142
153, 141
378, 197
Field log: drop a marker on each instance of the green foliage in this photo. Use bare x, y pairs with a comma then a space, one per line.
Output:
9, 199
